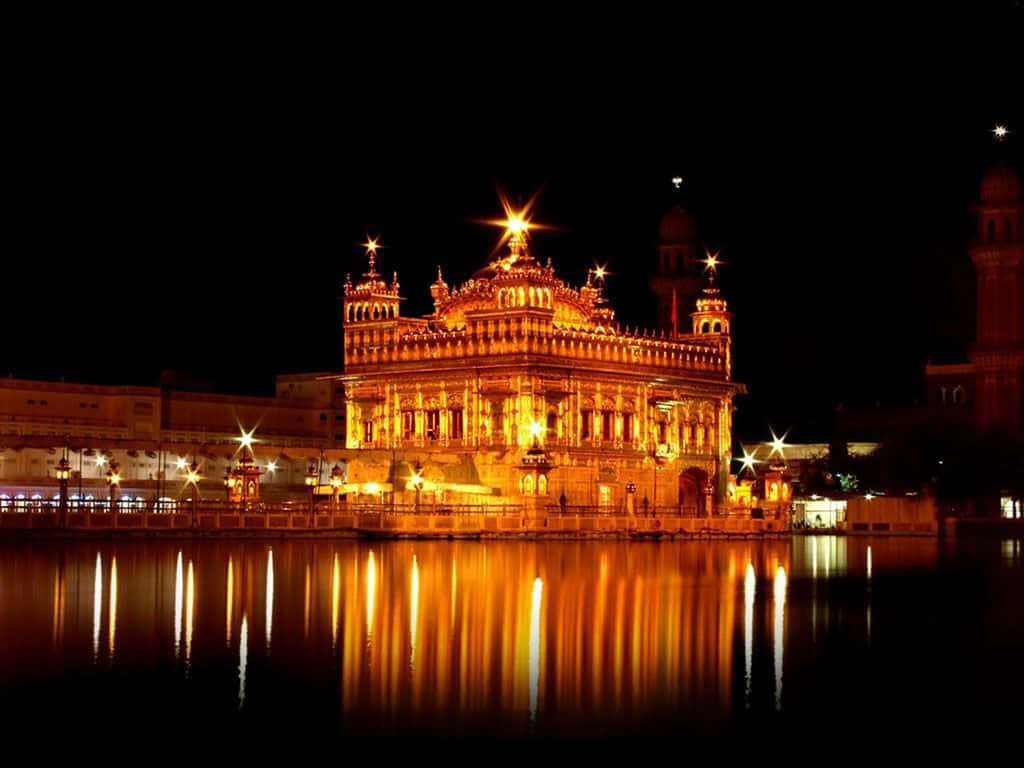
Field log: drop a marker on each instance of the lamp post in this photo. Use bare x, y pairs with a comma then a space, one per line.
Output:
417, 484
193, 478
229, 483
63, 473
113, 478
311, 477
337, 477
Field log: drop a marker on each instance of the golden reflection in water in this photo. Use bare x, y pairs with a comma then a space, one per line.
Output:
189, 605
178, 589
335, 600
112, 620
371, 594
59, 592
97, 607
535, 606
869, 562
780, 603
307, 602
749, 587
229, 598
270, 596
414, 607
243, 659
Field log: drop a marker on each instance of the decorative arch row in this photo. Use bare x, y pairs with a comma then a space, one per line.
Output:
357, 312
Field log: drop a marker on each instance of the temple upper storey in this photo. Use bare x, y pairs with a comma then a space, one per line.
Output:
516, 306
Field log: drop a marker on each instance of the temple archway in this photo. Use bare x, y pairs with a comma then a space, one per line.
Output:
692, 499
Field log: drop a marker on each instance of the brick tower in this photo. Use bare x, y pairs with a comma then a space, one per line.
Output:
998, 256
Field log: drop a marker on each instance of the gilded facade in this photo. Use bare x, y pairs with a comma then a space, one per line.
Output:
522, 389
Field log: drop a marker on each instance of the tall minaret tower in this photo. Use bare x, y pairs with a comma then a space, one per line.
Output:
998, 256
679, 270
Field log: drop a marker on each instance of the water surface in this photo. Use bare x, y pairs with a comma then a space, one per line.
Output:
526, 641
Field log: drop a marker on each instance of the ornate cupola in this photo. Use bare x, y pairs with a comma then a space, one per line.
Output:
371, 300
439, 291
712, 317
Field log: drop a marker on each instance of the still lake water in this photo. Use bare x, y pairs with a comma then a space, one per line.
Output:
527, 641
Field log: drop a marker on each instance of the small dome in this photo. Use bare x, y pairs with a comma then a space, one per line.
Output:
677, 226
1000, 185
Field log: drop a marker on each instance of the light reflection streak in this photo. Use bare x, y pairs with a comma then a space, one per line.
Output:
189, 605
243, 659
97, 608
780, 603
335, 600
178, 589
534, 663
270, 596
749, 587
112, 620
229, 599
414, 606
868, 611
371, 594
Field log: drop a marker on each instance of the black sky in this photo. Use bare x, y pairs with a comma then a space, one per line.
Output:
201, 216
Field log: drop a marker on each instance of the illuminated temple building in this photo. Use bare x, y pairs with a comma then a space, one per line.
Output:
522, 389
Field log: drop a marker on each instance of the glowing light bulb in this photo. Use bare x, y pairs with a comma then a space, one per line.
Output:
271, 466
536, 429
370, 245
600, 272
246, 439
1000, 132
180, 463
101, 460
677, 181
711, 261
778, 443
515, 225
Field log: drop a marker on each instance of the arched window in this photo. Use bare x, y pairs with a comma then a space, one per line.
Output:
542, 484
942, 395
958, 395
704, 327
717, 327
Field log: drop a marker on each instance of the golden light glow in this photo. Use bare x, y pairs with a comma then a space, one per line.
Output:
677, 181
711, 261
271, 466
1000, 132
778, 443
180, 463
115, 478
536, 429
780, 636
101, 460
193, 476
600, 272
370, 245
246, 439
748, 460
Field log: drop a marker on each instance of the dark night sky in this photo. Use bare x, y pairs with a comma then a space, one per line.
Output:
202, 219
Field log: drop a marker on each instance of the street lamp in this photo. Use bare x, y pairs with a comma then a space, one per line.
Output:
229, 482
113, 478
311, 479
63, 473
192, 478
337, 477
417, 483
